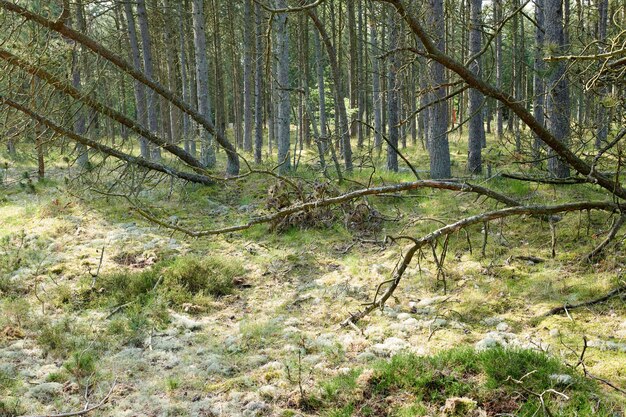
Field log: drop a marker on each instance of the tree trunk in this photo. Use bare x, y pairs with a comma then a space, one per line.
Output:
539, 98
497, 16
140, 89
557, 85
438, 123
602, 119
392, 96
152, 100
377, 96
78, 61
476, 99
320, 88
248, 24
344, 130
187, 141
202, 80
282, 79
258, 86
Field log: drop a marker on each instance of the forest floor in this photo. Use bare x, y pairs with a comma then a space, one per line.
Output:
96, 302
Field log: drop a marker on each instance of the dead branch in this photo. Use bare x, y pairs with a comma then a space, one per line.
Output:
463, 223
155, 166
407, 186
566, 307
557, 181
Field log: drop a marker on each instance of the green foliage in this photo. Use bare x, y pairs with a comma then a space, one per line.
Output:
81, 364
499, 380
209, 275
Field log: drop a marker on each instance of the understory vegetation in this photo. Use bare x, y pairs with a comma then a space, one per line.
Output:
250, 312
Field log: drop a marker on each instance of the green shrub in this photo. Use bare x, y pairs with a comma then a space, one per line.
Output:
81, 364
209, 275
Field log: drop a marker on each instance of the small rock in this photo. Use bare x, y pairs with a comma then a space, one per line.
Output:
555, 332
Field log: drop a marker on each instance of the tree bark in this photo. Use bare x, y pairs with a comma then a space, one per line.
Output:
557, 108
140, 88
282, 79
78, 61
377, 97
438, 123
258, 86
539, 98
248, 24
202, 80
476, 99
152, 100
393, 95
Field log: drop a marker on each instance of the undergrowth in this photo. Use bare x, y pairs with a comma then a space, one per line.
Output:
462, 381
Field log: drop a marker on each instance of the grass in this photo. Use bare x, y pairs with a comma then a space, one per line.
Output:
487, 378
281, 267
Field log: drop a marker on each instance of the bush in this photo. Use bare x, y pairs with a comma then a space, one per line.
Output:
206, 276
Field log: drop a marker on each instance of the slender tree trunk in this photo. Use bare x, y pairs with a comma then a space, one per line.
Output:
438, 123
476, 99
152, 99
497, 13
376, 92
320, 89
353, 68
282, 78
392, 96
258, 86
140, 89
539, 98
557, 85
344, 130
169, 37
602, 119
184, 82
78, 61
248, 24
202, 79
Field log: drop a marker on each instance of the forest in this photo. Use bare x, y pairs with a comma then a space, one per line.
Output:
312, 208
